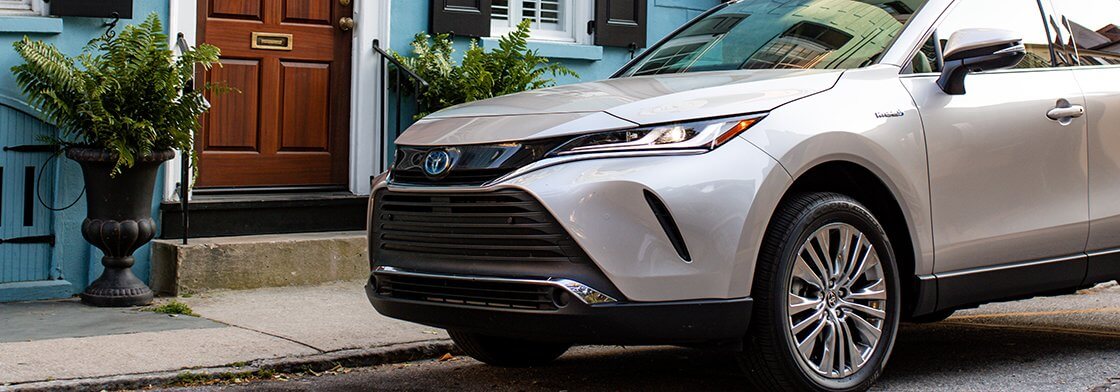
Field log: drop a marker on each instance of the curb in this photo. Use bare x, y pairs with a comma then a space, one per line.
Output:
353, 358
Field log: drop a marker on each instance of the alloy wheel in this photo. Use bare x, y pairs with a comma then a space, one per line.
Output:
836, 306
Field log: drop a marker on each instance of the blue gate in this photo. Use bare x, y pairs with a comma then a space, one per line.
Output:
26, 230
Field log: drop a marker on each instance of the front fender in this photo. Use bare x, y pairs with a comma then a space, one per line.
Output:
870, 120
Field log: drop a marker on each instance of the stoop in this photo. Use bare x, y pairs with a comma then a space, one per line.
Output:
250, 262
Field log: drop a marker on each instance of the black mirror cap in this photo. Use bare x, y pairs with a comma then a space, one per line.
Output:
959, 65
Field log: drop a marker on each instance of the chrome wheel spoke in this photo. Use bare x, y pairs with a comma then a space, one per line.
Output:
861, 308
801, 270
836, 300
828, 355
854, 262
866, 330
806, 346
855, 354
822, 269
815, 319
829, 260
798, 304
877, 291
841, 348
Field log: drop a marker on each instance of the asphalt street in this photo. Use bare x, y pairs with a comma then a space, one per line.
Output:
1067, 343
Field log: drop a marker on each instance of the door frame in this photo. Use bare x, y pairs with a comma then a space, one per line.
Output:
372, 17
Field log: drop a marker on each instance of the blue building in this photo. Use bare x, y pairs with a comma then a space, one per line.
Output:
294, 151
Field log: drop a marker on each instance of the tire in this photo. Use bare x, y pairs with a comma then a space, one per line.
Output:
771, 357
935, 317
507, 352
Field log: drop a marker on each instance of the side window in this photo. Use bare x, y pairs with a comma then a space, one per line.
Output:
1022, 16
1093, 25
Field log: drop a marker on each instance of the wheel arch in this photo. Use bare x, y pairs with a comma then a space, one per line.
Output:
868, 187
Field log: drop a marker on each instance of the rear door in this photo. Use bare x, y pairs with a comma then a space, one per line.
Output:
1008, 185
1095, 58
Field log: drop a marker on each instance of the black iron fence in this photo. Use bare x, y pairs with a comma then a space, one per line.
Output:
399, 90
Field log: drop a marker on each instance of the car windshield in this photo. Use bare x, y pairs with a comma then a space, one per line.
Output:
781, 34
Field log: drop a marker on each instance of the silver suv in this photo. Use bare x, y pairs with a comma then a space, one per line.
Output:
788, 178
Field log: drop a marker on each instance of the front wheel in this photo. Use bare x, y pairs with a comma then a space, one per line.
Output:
827, 298
507, 352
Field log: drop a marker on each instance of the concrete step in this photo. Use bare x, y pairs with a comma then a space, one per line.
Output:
249, 262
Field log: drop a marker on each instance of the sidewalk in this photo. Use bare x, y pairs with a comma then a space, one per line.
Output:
63, 344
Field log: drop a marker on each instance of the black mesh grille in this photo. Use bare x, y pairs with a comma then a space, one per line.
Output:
502, 226
467, 292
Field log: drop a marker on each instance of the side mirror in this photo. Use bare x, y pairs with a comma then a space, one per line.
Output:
976, 50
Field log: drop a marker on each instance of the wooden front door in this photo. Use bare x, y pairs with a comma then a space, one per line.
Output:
288, 123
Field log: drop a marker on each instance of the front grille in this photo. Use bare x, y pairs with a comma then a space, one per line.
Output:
456, 177
471, 165
501, 226
467, 292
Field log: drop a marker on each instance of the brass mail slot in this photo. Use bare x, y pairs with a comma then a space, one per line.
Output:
272, 41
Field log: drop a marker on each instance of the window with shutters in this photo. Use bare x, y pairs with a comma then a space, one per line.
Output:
22, 7
549, 20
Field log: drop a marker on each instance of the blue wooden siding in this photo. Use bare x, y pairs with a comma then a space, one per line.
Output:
21, 213
66, 268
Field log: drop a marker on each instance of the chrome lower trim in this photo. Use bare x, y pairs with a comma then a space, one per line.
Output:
1008, 266
584, 293
1104, 252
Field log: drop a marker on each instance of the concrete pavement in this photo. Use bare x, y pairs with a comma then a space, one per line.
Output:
62, 343
1067, 343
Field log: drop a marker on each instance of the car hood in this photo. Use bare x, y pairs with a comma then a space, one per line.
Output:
616, 104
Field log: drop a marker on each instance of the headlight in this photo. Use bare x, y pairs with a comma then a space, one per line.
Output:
702, 135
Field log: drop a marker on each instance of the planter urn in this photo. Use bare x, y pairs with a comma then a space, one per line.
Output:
118, 221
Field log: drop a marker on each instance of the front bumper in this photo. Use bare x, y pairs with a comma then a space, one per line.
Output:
600, 322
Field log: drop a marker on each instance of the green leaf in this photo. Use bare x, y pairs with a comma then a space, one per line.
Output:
122, 93
509, 68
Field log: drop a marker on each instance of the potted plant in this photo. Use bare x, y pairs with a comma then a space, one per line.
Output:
121, 111
509, 68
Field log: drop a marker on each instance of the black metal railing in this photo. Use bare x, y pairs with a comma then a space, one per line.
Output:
184, 157
399, 81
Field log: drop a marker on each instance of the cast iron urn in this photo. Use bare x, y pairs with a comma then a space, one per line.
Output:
118, 221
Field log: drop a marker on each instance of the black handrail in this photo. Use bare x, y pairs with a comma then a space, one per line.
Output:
185, 157
386, 56
418, 84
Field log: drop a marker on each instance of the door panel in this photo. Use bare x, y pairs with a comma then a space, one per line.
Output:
288, 122
303, 11
235, 9
306, 105
1007, 183
227, 127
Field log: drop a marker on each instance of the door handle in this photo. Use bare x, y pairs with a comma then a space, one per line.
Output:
1065, 112
346, 24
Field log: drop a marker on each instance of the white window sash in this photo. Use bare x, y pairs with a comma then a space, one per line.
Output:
574, 16
22, 7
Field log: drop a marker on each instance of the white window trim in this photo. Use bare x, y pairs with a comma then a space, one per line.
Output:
23, 8
580, 13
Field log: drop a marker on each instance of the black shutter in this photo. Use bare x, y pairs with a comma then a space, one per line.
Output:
92, 9
620, 23
465, 18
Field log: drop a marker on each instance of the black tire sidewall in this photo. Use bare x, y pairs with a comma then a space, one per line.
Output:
835, 209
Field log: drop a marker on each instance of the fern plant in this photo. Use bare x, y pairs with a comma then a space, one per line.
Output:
123, 93
507, 69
